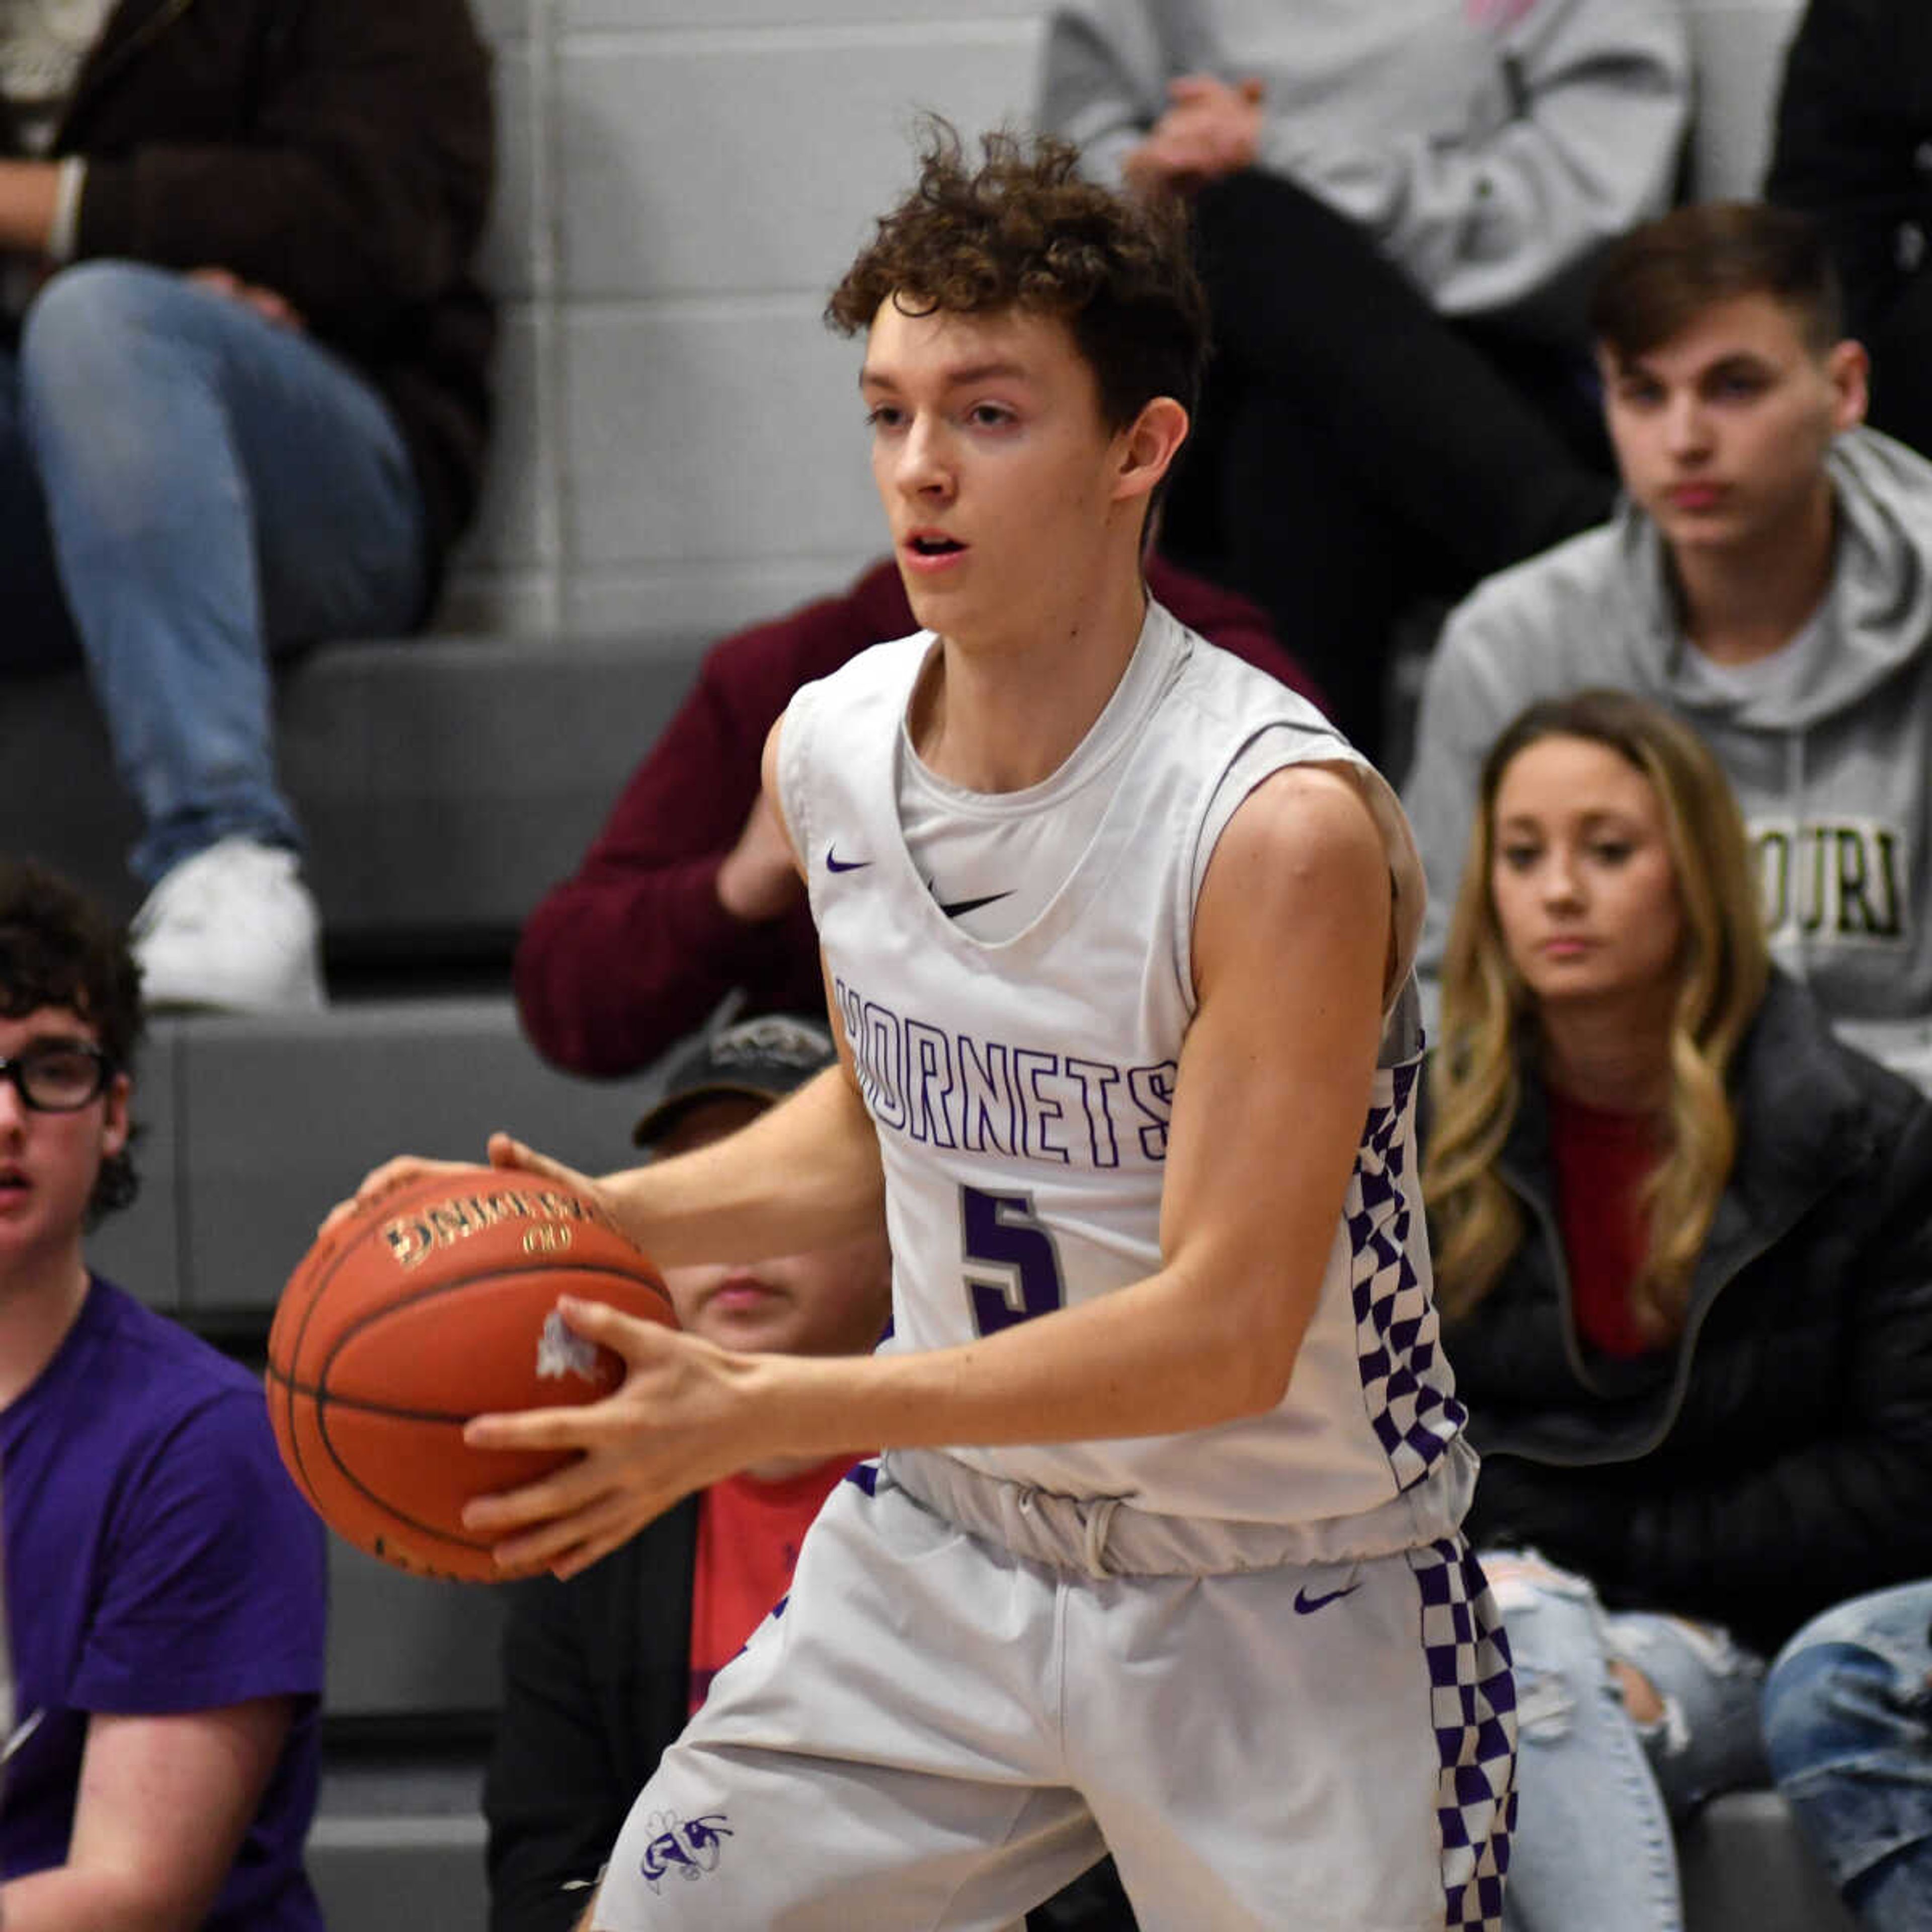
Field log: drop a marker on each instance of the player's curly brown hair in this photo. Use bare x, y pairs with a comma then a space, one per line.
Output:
57, 950
1023, 231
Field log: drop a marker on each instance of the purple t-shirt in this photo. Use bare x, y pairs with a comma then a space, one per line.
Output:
158, 1561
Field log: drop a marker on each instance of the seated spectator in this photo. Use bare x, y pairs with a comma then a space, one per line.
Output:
1395, 208
1848, 1723
1769, 578
165, 1610
1682, 1247
242, 405
602, 1671
1854, 149
689, 891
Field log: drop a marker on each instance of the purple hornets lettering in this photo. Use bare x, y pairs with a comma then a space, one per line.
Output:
949, 1089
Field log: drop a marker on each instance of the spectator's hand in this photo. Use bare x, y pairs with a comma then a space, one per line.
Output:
758, 880
268, 305
1210, 129
675, 1425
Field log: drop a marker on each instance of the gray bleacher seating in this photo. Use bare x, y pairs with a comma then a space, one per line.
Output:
444, 782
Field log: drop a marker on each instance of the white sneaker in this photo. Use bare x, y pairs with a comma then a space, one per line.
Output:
232, 927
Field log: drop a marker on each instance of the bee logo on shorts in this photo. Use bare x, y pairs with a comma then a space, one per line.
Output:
690, 1848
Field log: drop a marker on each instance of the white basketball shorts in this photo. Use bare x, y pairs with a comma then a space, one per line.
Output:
932, 1732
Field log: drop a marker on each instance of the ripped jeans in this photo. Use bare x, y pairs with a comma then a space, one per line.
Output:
1597, 1791
1848, 1720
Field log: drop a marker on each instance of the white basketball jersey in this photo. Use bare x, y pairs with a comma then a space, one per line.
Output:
1022, 1090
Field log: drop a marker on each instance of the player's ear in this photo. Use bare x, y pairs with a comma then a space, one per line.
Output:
1149, 446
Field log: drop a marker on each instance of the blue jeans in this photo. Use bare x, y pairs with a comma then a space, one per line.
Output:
1848, 1722
1597, 1791
186, 490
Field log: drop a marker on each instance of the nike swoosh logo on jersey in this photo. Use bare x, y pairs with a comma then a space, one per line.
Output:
959, 907
1304, 1603
833, 863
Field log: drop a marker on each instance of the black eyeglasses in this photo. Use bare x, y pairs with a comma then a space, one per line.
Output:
58, 1076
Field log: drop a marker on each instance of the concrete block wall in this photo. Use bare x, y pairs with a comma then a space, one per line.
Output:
680, 446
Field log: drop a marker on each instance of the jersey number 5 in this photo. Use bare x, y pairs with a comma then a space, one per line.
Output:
1001, 1237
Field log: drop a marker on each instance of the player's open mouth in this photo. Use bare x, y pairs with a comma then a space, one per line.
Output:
933, 546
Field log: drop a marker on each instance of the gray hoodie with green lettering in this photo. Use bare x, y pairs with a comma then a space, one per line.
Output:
1829, 747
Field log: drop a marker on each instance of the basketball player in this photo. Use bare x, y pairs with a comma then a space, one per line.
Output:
1161, 1555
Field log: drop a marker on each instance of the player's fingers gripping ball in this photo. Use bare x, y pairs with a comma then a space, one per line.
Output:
432, 1303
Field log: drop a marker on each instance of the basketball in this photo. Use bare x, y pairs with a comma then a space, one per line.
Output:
433, 1304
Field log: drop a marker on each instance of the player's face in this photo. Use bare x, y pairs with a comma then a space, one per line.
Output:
49, 1160
831, 1301
996, 469
1581, 875
1721, 433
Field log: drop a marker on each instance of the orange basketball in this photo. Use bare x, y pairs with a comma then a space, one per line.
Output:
437, 1303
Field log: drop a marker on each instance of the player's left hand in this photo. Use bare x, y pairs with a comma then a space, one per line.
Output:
676, 1423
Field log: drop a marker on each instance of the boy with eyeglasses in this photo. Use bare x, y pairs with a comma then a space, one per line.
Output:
165, 1622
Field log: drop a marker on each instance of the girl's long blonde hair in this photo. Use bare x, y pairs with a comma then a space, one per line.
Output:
1488, 1015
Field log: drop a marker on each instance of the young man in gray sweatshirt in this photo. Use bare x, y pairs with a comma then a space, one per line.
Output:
1768, 575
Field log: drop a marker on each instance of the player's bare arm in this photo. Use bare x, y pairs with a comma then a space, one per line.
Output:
1269, 1103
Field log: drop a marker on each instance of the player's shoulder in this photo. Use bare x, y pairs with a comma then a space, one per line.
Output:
1309, 818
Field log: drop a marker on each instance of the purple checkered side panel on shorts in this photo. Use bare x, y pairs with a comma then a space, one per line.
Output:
1472, 1699
1406, 1385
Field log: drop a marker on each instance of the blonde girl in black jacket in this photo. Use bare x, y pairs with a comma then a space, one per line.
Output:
1685, 1254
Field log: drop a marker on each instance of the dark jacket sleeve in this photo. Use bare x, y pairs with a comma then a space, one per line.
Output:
634, 950
551, 1796
596, 1677
1846, 133
355, 183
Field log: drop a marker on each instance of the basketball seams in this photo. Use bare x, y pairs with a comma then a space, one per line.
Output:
320, 1390
544, 1264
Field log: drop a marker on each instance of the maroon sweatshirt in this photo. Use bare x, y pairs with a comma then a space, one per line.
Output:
634, 950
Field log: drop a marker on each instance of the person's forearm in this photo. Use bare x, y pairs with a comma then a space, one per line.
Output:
29, 194
804, 1174
67, 1899
1175, 1352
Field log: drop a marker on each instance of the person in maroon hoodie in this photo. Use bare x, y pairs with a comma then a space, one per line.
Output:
689, 891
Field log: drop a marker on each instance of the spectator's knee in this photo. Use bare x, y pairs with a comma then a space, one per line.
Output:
1552, 1619
1816, 1685
82, 331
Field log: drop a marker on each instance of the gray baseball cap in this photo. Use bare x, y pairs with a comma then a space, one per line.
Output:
762, 1059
